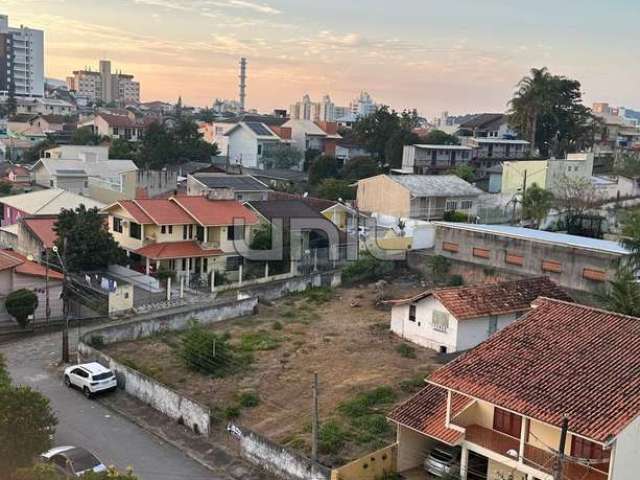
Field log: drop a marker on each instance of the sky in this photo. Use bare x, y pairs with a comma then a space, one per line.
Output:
462, 56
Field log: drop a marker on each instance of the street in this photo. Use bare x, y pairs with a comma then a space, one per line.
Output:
81, 422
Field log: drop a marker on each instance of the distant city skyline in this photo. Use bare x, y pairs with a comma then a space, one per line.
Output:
429, 55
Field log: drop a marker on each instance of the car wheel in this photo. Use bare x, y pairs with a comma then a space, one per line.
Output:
87, 392
67, 381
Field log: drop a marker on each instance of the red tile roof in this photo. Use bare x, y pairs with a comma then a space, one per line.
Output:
164, 212
426, 412
120, 121
215, 212
494, 299
169, 250
42, 228
28, 267
135, 211
561, 358
8, 261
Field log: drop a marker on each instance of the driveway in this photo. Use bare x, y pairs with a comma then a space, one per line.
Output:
81, 422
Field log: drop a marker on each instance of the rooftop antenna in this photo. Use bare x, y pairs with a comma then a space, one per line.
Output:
243, 83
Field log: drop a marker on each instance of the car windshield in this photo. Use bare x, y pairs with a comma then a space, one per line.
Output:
82, 460
102, 376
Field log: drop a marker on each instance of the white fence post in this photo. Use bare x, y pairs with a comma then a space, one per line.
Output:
168, 289
240, 275
182, 287
266, 269
213, 280
315, 260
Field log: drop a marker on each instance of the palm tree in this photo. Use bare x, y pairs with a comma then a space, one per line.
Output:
623, 293
631, 237
529, 100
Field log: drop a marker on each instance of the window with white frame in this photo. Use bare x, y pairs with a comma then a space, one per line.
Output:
466, 205
440, 321
451, 205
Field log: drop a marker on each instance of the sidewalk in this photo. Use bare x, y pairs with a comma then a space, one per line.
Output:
213, 452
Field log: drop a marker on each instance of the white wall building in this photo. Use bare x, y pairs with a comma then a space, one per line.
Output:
21, 60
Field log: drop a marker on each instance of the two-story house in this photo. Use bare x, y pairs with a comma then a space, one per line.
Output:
423, 159
417, 196
249, 143
507, 400
459, 318
186, 235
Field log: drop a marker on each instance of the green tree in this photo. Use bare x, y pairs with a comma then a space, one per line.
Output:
85, 136
122, 149
358, 168
27, 425
438, 137
189, 144
575, 197
631, 236
5, 380
283, 156
622, 294
325, 166
90, 246
536, 203
375, 130
158, 147
21, 304
548, 111
334, 189
465, 172
5, 188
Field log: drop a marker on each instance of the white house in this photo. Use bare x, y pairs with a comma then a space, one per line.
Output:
455, 319
249, 142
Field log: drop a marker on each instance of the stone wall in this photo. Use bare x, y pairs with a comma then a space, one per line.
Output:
274, 458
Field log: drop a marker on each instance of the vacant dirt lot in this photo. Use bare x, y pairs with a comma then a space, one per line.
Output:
339, 334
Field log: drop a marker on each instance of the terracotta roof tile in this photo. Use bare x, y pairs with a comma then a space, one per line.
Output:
168, 250
426, 412
42, 228
561, 358
8, 261
28, 267
136, 212
163, 211
494, 299
215, 212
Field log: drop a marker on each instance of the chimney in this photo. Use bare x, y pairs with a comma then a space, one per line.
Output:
243, 83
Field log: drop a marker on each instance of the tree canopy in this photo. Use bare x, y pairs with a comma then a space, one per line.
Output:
622, 294
324, 166
90, 246
548, 111
334, 189
358, 168
438, 137
21, 304
465, 172
85, 136
536, 203
282, 156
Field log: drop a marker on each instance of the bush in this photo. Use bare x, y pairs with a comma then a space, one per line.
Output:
370, 426
439, 267
318, 295
456, 217
206, 352
456, 281
96, 341
365, 402
412, 385
258, 341
231, 412
366, 268
277, 325
406, 351
331, 437
249, 400
21, 304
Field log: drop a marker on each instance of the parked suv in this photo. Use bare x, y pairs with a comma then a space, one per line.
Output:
90, 378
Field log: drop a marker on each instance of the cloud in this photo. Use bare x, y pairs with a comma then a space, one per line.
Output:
209, 6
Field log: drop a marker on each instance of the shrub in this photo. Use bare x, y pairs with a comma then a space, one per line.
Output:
258, 341
21, 304
456, 217
406, 351
439, 267
331, 437
412, 385
456, 281
206, 352
231, 412
277, 325
249, 400
318, 295
364, 402
366, 268
96, 341
371, 426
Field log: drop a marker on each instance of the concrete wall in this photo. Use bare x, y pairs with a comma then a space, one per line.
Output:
281, 461
383, 195
372, 466
626, 454
413, 448
573, 261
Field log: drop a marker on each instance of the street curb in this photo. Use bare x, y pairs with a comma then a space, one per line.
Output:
161, 436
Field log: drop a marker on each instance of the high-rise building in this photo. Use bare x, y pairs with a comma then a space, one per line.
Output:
324, 111
363, 105
21, 60
105, 85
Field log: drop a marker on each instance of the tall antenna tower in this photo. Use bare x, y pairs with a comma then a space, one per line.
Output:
243, 83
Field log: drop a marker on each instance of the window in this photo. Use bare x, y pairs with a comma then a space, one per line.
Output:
493, 324
135, 231
412, 313
583, 448
185, 232
259, 149
466, 205
51, 183
170, 229
450, 247
507, 422
117, 224
513, 259
116, 131
235, 232
481, 252
184, 264
219, 131
595, 275
163, 229
551, 266
451, 205
440, 321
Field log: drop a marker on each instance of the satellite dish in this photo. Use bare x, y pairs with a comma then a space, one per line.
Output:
306, 194
30, 258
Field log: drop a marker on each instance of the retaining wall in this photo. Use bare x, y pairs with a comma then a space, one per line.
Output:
275, 458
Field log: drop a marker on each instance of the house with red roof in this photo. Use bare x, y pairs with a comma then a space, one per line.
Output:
184, 234
117, 125
561, 367
455, 319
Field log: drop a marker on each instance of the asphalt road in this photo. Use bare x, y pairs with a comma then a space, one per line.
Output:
81, 422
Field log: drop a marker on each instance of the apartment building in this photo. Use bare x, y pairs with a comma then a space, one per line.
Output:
306, 109
104, 85
187, 235
506, 402
423, 159
21, 60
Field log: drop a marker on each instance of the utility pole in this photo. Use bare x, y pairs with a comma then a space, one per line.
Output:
559, 461
315, 422
65, 304
47, 308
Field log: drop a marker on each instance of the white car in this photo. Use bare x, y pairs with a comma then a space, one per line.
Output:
90, 378
72, 461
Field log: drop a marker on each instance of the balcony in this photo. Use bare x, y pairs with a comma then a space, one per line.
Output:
533, 457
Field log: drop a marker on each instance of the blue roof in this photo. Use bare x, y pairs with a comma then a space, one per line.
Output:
563, 239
